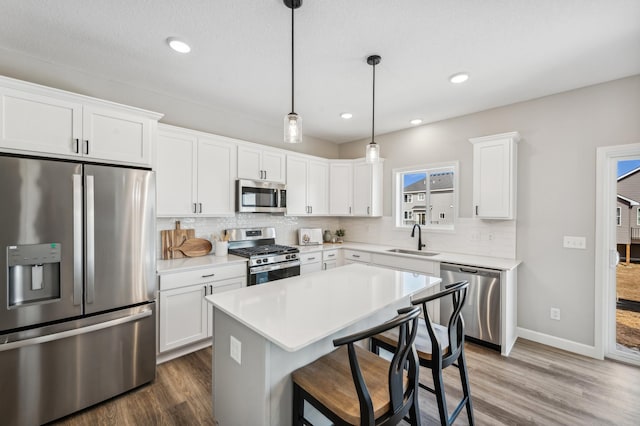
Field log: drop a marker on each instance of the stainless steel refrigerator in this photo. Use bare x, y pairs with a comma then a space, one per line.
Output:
77, 285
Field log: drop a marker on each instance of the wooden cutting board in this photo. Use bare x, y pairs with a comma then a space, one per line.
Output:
193, 247
175, 238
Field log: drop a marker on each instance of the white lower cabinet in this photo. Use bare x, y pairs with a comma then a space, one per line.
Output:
354, 256
310, 262
331, 259
185, 316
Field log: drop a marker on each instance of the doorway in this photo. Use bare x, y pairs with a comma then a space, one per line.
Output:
618, 253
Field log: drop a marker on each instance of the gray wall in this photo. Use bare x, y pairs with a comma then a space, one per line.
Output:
556, 179
177, 111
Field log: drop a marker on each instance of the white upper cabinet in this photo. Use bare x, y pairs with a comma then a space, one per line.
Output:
355, 188
341, 187
494, 176
307, 186
195, 173
176, 173
115, 135
32, 122
367, 189
36, 119
261, 164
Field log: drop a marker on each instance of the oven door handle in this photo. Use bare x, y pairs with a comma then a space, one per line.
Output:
274, 267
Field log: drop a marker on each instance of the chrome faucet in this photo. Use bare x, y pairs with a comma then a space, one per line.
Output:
413, 234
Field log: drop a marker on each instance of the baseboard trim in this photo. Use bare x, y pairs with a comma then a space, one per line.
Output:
178, 352
558, 342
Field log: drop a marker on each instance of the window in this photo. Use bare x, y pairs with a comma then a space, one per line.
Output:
432, 192
637, 216
619, 216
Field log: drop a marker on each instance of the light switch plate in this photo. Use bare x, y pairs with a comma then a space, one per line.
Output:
235, 349
575, 242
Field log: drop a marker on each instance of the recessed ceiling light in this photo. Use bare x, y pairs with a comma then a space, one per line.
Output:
460, 77
178, 45
416, 121
346, 115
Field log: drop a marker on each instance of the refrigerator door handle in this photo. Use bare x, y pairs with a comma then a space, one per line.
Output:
77, 239
74, 332
90, 250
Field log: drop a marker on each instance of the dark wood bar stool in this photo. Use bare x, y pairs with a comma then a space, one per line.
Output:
439, 347
352, 386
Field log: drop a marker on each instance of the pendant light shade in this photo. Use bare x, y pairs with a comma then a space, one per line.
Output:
292, 121
372, 153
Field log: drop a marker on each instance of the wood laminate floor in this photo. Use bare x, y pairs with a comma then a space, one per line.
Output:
536, 385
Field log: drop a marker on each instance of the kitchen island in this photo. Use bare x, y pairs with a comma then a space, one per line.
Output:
263, 333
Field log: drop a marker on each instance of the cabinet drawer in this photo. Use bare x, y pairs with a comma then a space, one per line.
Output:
400, 262
357, 256
306, 258
200, 276
330, 255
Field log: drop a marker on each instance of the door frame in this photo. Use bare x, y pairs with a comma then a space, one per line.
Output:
605, 272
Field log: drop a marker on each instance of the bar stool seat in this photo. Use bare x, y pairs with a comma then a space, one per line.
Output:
423, 341
329, 381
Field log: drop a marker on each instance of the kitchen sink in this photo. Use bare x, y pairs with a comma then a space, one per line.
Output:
415, 252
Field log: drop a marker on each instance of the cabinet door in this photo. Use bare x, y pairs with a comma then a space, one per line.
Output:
220, 287
362, 175
176, 174
494, 178
215, 177
249, 163
38, 123
318, 187
297, 185
273, 164
183, 316
340, 188
116, 136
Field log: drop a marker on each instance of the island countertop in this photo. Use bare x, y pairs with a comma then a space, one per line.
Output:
298, 311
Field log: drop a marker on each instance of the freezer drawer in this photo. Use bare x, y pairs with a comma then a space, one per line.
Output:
481, 311
53, 371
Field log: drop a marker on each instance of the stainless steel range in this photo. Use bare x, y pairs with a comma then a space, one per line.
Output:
268, 261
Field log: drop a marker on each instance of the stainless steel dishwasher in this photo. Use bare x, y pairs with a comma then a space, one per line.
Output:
481, 311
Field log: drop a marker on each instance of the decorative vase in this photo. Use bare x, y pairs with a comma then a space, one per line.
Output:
326, 237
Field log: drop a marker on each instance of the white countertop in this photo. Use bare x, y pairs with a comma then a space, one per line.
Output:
191, 263
463, 259
298, 311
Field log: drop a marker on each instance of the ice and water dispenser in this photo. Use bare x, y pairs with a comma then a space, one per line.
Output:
33, 273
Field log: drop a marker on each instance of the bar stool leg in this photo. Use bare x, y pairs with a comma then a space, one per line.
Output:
298, 407
466, 389
438, 387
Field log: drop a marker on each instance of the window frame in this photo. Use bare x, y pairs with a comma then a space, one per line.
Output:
618, 216
398, 198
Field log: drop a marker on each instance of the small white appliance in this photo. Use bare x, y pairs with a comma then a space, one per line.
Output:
309, 236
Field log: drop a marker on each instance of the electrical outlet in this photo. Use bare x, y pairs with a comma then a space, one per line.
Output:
235, 350
475, 236
575, 242
554, 314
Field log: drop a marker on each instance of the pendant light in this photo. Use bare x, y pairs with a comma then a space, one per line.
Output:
292, 121
372, 154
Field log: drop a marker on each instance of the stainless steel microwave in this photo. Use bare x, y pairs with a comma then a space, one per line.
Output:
260, 197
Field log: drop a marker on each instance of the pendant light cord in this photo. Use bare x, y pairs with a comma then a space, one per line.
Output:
292, 62
373, 112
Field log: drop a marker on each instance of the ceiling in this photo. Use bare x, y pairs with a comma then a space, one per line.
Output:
240, 60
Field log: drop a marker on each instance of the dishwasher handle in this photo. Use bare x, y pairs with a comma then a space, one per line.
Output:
469, 271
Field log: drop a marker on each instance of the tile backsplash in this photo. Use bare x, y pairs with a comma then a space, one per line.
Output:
286, 226
471, 236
